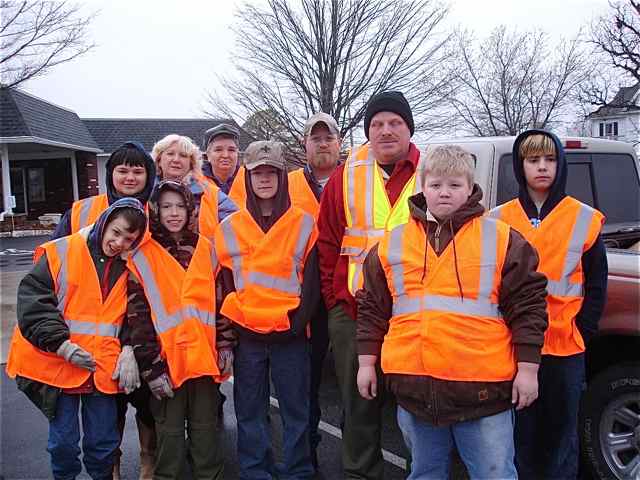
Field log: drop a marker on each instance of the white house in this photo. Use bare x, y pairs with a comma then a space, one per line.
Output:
620, 119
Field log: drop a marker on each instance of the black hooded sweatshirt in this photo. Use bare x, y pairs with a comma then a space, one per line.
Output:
310, 295
64, 226
594, 260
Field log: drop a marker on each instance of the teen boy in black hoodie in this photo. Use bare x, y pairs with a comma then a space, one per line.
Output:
566, 235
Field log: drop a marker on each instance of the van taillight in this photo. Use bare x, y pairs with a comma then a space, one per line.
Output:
575, 144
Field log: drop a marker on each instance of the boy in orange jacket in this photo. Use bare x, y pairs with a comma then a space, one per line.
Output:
455, 311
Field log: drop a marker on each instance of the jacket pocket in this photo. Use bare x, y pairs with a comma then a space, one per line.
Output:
43, 396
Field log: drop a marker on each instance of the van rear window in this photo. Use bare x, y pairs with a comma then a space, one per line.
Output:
606, 181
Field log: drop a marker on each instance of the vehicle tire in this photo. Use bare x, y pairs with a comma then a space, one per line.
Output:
610, 423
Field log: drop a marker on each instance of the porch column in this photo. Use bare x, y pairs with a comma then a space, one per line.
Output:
6, 178
74, 176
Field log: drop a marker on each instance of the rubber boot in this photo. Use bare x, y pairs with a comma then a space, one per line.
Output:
147, 437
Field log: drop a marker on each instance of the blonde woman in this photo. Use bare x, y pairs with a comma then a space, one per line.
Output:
178, 158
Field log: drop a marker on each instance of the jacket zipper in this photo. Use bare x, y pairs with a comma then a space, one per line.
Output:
437, 239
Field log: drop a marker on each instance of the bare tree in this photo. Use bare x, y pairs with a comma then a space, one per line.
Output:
512, 81
35, 36
617, 34
297, 58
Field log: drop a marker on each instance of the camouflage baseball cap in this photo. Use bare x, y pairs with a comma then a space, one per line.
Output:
264, 152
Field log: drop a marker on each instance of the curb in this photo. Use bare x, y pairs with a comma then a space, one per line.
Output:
25, 233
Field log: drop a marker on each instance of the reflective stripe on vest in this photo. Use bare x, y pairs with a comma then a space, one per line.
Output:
366, 223
579, 234
183, 306
267, 267
288, 285
482, 306
88, 210
560, 239
164, 320
445, 320
77, 326
62, 248
563, 287
93, 322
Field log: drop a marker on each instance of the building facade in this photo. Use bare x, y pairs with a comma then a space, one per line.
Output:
620, 119
50, 157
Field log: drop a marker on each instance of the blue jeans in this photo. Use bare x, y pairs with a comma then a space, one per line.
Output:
99, 442
547, 431
289, 366
485, 446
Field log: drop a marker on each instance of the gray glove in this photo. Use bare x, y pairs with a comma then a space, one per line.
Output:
127, 370
225, 360
161, 387
76, 355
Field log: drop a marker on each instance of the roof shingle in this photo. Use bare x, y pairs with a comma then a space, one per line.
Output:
23, 115
109, 134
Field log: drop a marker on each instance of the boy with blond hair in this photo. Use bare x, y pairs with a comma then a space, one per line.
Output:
455, 310
566, 236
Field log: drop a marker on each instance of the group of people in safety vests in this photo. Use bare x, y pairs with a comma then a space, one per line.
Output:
186, 273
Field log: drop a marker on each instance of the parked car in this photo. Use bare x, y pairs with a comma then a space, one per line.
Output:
606, 175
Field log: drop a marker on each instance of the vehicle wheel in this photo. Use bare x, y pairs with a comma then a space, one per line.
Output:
610, 423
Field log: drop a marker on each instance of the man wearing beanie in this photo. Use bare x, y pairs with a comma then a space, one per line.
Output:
377, 179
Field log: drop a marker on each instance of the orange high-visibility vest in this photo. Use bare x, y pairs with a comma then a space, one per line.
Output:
301, 194
208, 213
368, 211
568, 231
86, 211
433, 331
238, 192
93, 324
267, 267
182, 307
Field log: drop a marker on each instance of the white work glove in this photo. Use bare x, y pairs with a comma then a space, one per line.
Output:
225, 361
76, 355
161, 387
127, 370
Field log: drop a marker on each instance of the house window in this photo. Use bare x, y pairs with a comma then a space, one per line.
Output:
608, 129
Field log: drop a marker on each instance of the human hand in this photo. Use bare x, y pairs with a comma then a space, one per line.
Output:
367, 378
76, 355
127, 370
225, 361
161, 387
525, 386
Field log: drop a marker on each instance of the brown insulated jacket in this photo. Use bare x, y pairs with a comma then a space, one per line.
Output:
521, 301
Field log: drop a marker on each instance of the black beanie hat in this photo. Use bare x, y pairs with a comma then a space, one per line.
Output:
390, 101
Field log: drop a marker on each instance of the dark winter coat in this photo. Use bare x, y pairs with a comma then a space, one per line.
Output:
39, 319
522, 301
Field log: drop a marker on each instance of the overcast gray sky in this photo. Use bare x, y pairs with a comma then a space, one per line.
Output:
158, 58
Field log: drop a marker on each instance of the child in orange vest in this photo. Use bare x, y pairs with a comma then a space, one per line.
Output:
65, 352
183, 353
269, 270
566, 235
454, 310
